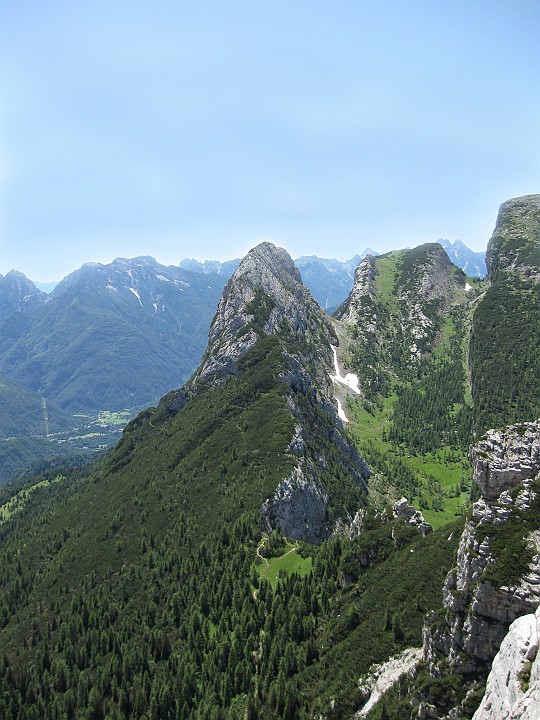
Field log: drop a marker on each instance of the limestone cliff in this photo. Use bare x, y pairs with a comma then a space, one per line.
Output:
513, 686
497, 574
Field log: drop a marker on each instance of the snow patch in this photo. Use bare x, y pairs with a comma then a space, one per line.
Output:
340, 412
467, 287
350, 380
136, 295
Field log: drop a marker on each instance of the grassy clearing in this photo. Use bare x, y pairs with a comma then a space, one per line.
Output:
18, 501
286, 564
438, 473
385, 279
105, 417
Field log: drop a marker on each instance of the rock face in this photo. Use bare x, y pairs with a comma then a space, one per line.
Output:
503, 461
382, 677
515, 243
265, 296
478, 612
411, 515
513, 686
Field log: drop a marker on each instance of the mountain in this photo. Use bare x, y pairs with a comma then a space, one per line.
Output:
504, 360
472, 263
112, 337
225, 269
268, 321
109, 340
18, 294
235, 557
330, 281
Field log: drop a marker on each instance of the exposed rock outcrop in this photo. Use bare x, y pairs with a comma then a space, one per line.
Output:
513, 686
411, 515
382, 677
265, 295
479, 612
503, 461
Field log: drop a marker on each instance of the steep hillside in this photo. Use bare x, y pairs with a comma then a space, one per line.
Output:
494, 582
252, 443
504, 358
224, 561
112, 337
405, 327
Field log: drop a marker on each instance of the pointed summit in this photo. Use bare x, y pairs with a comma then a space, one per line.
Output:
270, 346
264, 296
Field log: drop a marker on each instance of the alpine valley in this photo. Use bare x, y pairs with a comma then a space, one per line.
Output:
333, 517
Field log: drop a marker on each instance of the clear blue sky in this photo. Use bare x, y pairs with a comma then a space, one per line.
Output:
197, 129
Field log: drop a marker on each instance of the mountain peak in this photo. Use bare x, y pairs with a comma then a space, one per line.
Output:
264, 296
17, 292
267, 259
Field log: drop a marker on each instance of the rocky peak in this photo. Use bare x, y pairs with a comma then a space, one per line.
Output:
363, 287
17, 293
515, 243
264, 296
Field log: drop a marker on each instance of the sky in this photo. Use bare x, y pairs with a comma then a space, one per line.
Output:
199, 129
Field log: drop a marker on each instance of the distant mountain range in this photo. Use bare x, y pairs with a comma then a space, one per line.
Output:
472, 263
114, 337
109, 338
330, 281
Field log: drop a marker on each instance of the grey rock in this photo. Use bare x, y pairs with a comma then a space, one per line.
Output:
411, 515
509, 694
504, 460
478, 614
298, 508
